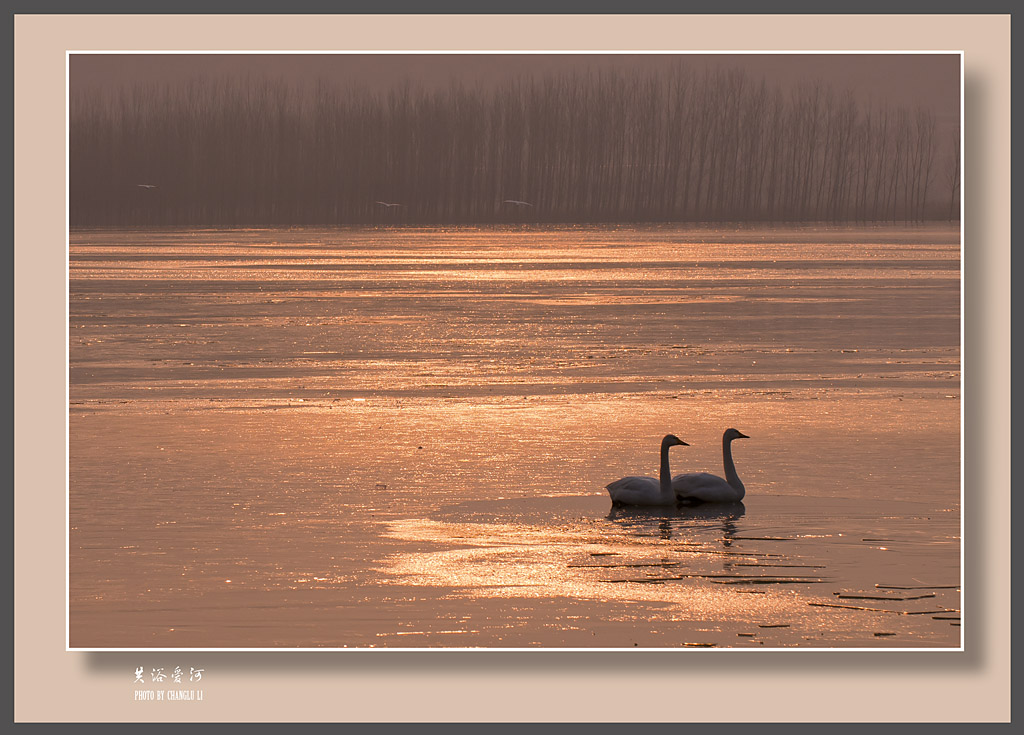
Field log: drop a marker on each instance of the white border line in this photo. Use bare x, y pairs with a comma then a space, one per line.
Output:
67, 352
488, 52
517, 52
963, 356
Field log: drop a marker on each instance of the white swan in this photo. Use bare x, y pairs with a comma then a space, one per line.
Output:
646, 490
703, 487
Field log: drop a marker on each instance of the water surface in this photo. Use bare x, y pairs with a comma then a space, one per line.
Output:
400, 437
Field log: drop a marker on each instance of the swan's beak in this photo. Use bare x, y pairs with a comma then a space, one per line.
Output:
683, 444
741, 435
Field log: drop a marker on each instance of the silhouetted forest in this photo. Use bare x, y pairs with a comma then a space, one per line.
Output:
596, 147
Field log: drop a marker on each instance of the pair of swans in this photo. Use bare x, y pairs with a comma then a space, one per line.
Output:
692, 487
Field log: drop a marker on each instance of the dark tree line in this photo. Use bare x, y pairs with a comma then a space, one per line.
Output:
597, 147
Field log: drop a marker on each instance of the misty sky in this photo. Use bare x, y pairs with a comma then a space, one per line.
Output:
928, 80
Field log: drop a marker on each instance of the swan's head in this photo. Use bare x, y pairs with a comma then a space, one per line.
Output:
731, 434
672, 440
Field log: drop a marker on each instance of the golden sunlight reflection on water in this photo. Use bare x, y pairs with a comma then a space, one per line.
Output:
401, 437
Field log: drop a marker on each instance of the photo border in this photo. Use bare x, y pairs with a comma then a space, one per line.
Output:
489, 678
384, 52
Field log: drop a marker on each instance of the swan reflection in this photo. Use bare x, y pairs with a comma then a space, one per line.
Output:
666, 522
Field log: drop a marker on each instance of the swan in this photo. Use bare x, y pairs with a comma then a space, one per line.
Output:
703, 487
646, 490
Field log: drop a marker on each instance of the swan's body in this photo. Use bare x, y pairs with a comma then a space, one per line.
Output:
703, 487
636, 490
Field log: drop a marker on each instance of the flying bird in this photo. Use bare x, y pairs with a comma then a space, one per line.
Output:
388, 204
517, 202
147, 186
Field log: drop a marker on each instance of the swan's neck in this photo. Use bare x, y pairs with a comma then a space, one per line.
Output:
730, 469
666, 474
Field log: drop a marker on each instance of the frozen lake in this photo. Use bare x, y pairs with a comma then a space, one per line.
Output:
400, 437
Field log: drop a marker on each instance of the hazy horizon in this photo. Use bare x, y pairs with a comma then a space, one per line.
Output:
928, 80
225, 140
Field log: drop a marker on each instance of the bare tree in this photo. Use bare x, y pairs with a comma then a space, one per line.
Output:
582, 147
